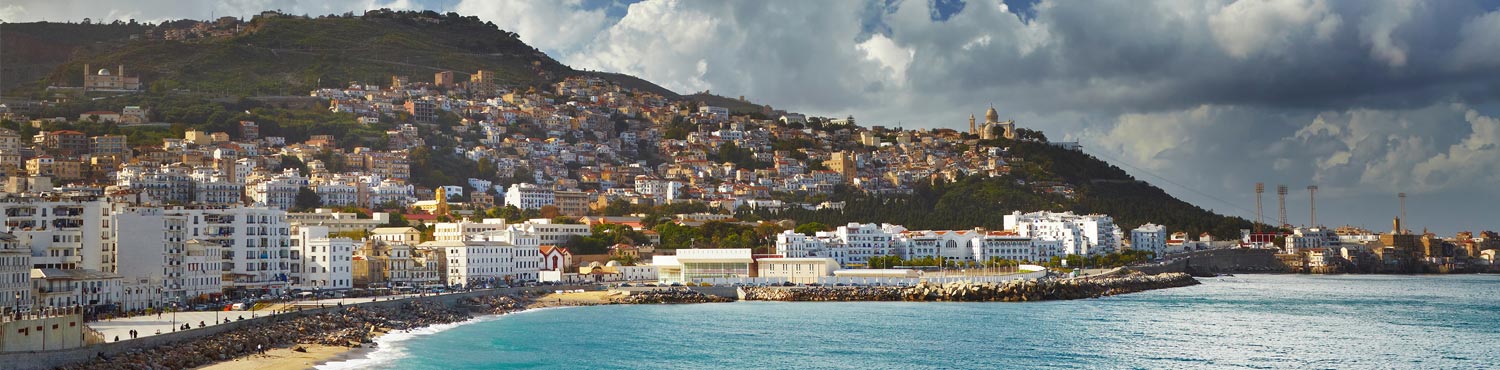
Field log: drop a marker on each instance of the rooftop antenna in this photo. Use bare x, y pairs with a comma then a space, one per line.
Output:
1312, 198
1402, 197
1260, 188
1281, 203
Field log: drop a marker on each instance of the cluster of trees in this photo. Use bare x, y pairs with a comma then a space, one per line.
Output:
602, 236
929, 261
715, 234
1111, 260
742, 158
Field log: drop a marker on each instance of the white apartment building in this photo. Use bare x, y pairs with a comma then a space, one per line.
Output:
1007, 245
15, 274
255, 243
152, 258
203, 271
860, 242
474, 262
1081, 235
338, 222
164, 184
1304, 238
547, 232
278, 192
389, 191
529, 196
319, 262
1150, 238
62, 231
339, 192
465, 229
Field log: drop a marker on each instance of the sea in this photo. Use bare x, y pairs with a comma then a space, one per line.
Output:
1236, 322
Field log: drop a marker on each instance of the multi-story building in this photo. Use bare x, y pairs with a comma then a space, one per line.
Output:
529, 196
280, 191
475, 263
548, 232
393, 193
1080, 235
151, 248
339, 191
338, 222
320, 262
1150, 238
15, 274
465, 229
63, 232
422, 110
255, 243
109, 145
571, 203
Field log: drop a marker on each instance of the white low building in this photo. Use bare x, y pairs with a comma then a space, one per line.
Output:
694, 265
796, 270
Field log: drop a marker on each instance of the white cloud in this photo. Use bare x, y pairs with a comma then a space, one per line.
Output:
891, 56
546, 25
1380, 27
1250, 27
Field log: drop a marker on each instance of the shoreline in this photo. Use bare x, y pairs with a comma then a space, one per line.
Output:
353, 333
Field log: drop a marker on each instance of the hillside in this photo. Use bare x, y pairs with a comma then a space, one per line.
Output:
977, 201
199, 83
34, 50
286, 55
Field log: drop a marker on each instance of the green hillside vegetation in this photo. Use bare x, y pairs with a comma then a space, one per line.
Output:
977, 201
292, 55
735, 106
34, 50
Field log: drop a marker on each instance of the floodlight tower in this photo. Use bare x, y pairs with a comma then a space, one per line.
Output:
1281, 203
1312, 198
1260, 188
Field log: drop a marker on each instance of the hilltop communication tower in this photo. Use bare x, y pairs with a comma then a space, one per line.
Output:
1281, 203
1312, 199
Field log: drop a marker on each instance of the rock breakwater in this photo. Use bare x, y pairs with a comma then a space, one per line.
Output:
1011, 291
668, 296
346, 326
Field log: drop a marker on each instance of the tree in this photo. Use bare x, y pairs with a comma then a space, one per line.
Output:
397, 220
810, 228
307, 199
550, 211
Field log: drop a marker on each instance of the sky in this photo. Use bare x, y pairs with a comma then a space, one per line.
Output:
1203, 98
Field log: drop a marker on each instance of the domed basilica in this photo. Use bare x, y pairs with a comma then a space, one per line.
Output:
993, 127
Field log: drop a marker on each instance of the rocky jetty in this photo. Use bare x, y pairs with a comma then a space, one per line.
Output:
347, 326
668, 296
1011, 291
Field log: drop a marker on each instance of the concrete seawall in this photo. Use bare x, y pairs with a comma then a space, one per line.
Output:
1218, 261
1012, 291
39, 360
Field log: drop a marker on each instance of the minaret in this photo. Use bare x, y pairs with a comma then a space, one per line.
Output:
972, 129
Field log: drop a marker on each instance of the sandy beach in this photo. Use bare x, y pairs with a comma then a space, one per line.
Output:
288, 359
573, 299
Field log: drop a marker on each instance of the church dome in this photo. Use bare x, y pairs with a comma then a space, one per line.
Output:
613, 263
991, 115
103, 72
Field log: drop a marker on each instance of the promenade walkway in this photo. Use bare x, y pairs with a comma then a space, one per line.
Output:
148, 325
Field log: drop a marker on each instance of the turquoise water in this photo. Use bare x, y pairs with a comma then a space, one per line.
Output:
1251, 321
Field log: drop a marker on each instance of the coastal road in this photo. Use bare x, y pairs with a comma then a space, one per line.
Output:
148, 325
